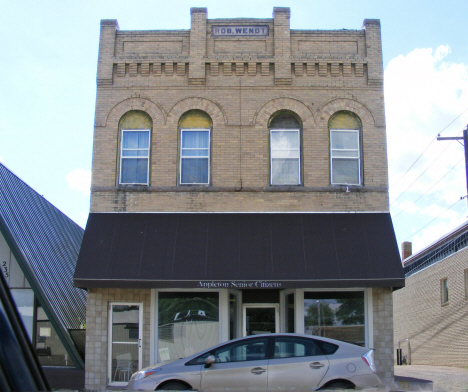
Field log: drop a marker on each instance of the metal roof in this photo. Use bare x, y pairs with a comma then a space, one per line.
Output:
444, 247
46, 244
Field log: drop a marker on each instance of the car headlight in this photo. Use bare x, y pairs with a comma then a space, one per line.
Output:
144, 373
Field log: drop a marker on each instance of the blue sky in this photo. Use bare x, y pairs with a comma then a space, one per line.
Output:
48, 88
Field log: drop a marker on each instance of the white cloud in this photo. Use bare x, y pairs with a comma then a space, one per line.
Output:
424, 93
435, 231
80, 180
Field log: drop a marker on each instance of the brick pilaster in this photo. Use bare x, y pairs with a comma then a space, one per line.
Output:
281, 16
197, 46
373, 52
106, 51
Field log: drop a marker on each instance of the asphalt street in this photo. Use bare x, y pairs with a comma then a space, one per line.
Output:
445, 379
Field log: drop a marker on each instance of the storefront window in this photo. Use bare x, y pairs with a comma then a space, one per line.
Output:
188, 322
49, 348
335, 315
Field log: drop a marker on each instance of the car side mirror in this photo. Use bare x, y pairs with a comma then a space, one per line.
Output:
209, 361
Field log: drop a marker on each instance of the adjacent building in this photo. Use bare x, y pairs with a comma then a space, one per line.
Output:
39, 248
431, 312
239, 186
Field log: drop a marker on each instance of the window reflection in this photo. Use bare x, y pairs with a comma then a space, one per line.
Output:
335, 315
288, 347
187, 323
252, 350
24, 300
49, 347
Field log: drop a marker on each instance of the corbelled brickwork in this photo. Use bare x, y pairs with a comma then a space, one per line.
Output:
435, 333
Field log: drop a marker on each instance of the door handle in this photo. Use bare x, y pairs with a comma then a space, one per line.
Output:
317, 365
139, 343
258, 370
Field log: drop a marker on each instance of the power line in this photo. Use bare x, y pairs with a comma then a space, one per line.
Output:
432, 141
444, 211
445, 175
417, 159
425, 170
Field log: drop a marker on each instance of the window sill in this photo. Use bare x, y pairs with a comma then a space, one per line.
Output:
210, 188
195, 185
344, 186
133, 187
445, 304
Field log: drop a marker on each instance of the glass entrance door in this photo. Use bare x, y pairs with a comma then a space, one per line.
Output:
260, 318
125, 330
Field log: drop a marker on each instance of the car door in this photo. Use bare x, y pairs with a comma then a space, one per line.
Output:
297, 365
239, 366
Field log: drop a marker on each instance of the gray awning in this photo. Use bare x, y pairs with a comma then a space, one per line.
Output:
239, 250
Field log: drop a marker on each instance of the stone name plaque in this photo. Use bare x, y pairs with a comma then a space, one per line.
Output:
233, 31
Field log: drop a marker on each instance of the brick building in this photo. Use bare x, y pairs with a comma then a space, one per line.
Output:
431, 312
239, 185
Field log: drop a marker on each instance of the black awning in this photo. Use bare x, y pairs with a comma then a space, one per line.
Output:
239, 250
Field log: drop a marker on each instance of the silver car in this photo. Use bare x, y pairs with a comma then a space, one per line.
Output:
273, 362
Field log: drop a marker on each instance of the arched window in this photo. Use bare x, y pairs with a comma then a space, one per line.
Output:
285, 148
195, 143
345, 148
135, 132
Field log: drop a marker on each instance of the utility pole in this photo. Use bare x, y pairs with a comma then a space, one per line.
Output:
465, 143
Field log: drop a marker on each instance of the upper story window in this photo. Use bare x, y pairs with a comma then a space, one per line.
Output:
285, 149
444, 291
195, 148
466, 284
345, 149
135, 130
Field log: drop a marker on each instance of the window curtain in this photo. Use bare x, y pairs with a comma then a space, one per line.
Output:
285, 154
345, 157
134, 159
195, 156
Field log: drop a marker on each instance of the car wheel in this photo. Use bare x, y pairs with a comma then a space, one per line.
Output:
174, 386
337, 385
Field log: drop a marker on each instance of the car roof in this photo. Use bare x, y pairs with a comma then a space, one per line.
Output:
340, 343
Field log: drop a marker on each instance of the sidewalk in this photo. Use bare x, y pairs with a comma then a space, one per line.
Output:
444, 378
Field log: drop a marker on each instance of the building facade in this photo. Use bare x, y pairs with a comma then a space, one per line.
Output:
431, 312
239, 185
